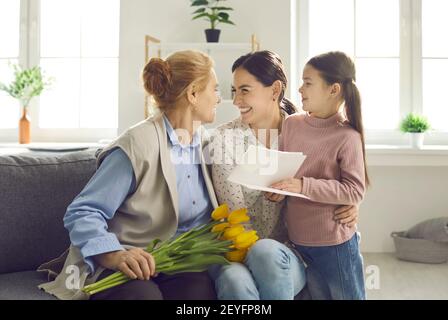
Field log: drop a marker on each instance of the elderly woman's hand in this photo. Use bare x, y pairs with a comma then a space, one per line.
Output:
347, 215
135, 263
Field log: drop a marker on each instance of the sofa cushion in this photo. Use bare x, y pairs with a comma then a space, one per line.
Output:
34, 194
23, 286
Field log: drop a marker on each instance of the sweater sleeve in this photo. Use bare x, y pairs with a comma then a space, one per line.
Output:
350, 189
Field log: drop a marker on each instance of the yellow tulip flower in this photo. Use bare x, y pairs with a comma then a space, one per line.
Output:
236, 255
221, 212
196, 249
246, 245
245, 240
233, 232
238, 216
220, 227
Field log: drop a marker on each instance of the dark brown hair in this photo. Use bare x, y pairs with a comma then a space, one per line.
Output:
337, 67
168, 80
267, 67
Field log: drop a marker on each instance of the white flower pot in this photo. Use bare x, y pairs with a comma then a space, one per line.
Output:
417, 140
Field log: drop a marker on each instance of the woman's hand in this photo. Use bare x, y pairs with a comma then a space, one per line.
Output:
274, 197
291, 185
135, 263
347, 215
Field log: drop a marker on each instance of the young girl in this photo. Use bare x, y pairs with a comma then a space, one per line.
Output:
334, 173
271, 270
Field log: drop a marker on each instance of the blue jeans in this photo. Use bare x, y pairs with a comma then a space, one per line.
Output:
335, 272
271, 271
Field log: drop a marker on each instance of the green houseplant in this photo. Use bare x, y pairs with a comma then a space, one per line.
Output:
416, 126
215, 13
27, 83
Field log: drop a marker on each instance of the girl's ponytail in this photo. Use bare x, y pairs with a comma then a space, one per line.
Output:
288, 106
352, 99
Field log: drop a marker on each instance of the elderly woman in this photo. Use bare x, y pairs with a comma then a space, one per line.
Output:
151, 182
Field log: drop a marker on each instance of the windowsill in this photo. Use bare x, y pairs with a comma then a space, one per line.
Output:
377, 155
390, 155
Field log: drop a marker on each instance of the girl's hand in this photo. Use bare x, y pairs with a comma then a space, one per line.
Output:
291, 185
347, 215
274, 197
136, 263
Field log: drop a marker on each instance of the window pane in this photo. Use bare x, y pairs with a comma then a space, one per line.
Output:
378, 82
100, 39
99, 93
9, 107
434, 28
374, 39
9, 50
59, 105
331, 26
60, 28
83, 57
435, 104
9, 28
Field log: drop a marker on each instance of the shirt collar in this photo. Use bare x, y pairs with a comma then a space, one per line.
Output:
172, 136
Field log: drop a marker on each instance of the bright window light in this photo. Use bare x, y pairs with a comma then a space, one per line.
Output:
331, 26
352, 26
435, 62
79, 50
434, 28
379, 84
374, 39
435, 104
9, 53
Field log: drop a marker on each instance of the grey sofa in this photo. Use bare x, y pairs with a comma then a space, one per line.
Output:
35, 190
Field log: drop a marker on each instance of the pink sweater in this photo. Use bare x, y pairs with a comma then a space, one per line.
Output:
333, 175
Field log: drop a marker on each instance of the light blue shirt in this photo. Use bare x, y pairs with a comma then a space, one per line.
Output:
114, 181
194, 201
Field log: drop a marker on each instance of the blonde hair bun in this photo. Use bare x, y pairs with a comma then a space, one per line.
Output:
168, 80
157, 77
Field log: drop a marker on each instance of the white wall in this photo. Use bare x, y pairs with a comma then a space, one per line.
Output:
399, 197
170, 21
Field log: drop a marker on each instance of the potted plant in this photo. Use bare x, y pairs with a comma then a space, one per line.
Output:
215, 13
27, 84
416, 125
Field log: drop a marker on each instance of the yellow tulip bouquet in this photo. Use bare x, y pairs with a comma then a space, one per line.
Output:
225, 238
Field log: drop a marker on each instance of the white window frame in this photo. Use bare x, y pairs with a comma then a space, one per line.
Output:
411, 87
29, 55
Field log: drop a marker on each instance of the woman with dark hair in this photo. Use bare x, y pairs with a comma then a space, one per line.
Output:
271, 269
